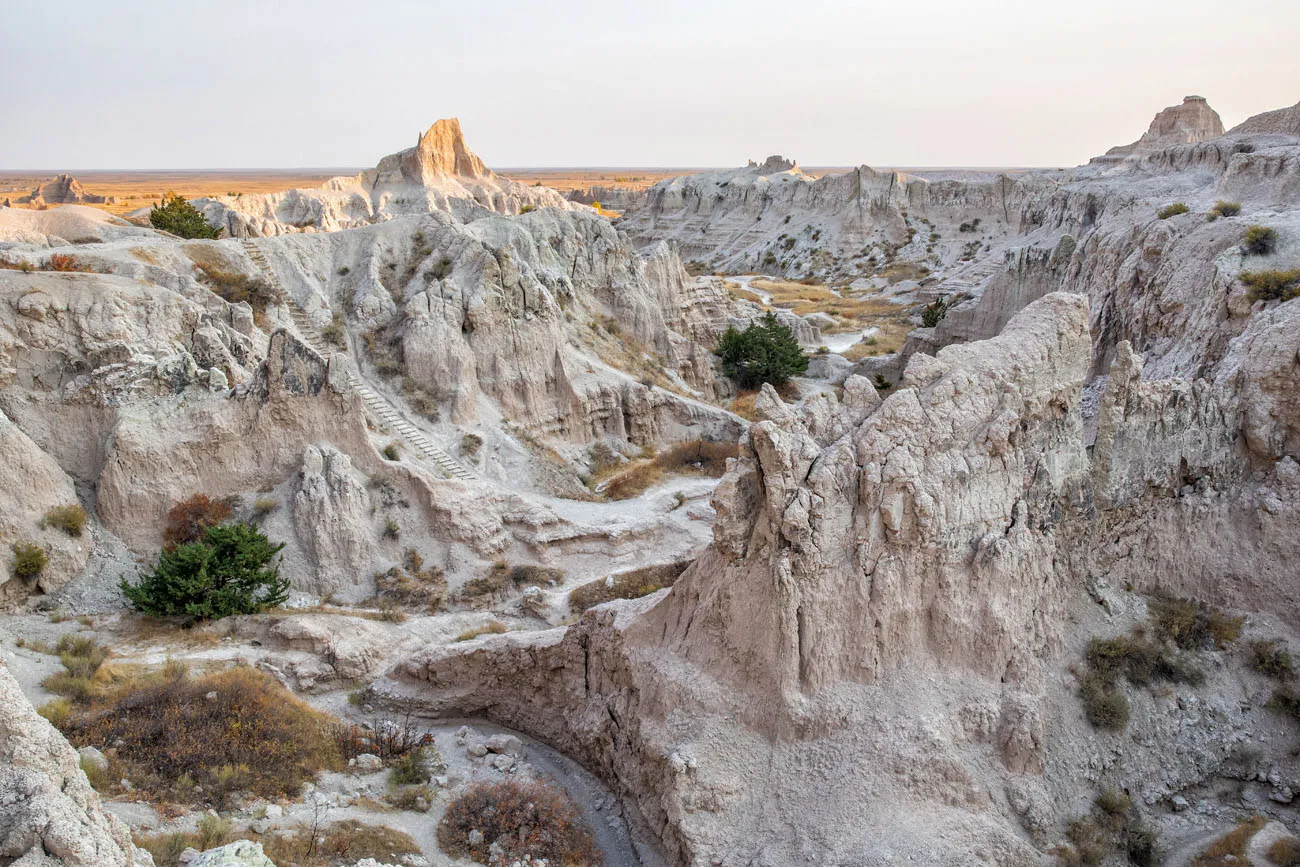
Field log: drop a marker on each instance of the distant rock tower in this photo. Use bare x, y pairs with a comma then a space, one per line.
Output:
1193, 121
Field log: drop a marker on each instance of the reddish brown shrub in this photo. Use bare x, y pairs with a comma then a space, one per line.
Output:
188, 520
526, 820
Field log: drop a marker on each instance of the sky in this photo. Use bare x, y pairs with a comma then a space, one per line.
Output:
137, 84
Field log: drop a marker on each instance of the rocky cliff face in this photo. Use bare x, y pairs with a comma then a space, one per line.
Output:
440, 173
886, 600
63, 190
49, 814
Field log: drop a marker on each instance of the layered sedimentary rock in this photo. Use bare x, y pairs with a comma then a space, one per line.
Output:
440, 173
63, 190
1192, 121
863, 665
49, 814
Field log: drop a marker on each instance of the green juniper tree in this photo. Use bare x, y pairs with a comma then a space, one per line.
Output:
226, 572
174, 214
766, 351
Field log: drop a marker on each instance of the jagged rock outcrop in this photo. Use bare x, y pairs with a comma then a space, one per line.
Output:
63, 190
49, 814
331, 518
440, 173
1192, 121
882, 609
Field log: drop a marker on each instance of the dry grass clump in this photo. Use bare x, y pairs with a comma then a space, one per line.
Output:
29, 560
1285, 852
233, 731
1193, 625
1230, 849
238, 288
70, 519
82, 659
411, 584
626, 585
527, 821
700, 457
492, 627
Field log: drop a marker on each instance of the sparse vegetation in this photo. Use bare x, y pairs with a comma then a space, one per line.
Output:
525, 821
494, 627
1284, 852
1272, 285
228, 572
233, 731
626, 585
1230, 849
766, 352
29, 560
1193, 625
392, 530
176, 215
503, 577
70, 519
693, 456
441, 269
1259, 241
263, 506
392, 451
1226, 209
1272, 660
470, 443
334, 845
335, 334
412, 584
1112, 827
526, 209
238, 288
1172, 210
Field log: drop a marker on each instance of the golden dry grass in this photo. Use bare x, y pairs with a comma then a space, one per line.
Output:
697, 457
1231, 847
144, 189
852, 312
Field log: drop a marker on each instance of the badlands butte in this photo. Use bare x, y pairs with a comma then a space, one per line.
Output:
1009, 575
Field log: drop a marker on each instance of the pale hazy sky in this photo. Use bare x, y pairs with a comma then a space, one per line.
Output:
292, 83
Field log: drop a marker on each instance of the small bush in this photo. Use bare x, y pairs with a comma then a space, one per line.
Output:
934, 313
627, 585
503, 577
413, 798
441, 269
1271, 660
30, 560
410, 769
470, 444
1226, 209
335, 334
189, 520
238, 288
344, 271
228, 572
1259, 241
763, 352
1172, 210
1113, 802
1272, 285
264, 506
81, 655
70, 519
1104, 705
393, 451
392, 530
527, 209
174, 214
526, 821
1193, 625
100, 778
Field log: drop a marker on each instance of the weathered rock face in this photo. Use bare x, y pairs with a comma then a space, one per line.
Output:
49, 814
1283, 121
775, 219
873, 636
440, 173
1192, 121
331, 517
